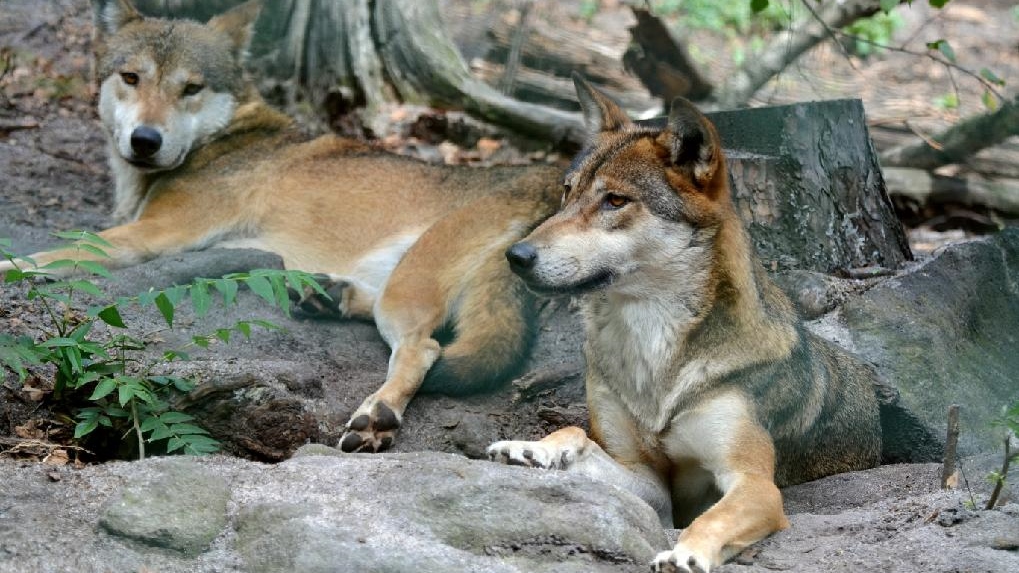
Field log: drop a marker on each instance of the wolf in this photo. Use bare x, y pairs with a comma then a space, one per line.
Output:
705, 392
200, 160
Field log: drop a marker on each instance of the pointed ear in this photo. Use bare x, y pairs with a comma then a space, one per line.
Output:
600, 113
238, 23
109, 16
692, 141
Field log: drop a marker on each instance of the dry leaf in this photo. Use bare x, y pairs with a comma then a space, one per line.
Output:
57, 458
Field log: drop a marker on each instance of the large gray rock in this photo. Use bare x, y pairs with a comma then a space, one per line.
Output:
323, 511
335, 512
945, 333
183, 508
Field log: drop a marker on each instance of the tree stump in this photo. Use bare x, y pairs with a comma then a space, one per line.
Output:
807, 182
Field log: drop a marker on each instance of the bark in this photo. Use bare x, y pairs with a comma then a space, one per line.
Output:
1001, 194
785, 47
959, 141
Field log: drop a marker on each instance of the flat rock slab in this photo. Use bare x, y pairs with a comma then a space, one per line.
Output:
323, 511
422, 512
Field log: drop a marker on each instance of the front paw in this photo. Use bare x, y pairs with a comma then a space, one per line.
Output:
533, 454
332, 304
679, 560
371, 429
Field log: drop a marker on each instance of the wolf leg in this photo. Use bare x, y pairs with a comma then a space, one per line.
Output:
741, 458
570, 449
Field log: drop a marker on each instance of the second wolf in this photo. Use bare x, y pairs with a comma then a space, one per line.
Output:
705, 392
200, 160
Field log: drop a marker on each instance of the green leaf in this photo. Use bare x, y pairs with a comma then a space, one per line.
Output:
95, 268
200, 297
223, 334
111, 315
160, 432
93, 249
279, 288
183, 385
86, 287
990, 102
58, 342
244, 328
944, 47
173, 417
84, 428
175, 294
888, 5
200, 341
938, 3
165, 308
991, 77
260, 286
758, 5
227, 288
125, 393
187, 429
175, 444
59, 264
103, 389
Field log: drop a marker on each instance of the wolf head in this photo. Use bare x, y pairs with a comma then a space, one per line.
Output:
166, 86
637, 201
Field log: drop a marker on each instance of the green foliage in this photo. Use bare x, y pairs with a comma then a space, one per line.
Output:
869, 34
738, 18
122, 390
1009, 420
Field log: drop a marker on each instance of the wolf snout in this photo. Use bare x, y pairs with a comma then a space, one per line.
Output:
145, 142
521, 257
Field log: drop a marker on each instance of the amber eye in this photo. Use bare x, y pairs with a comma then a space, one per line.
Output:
613, 201
130, 78
192, 89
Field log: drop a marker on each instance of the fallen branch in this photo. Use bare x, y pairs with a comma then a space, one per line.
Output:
951, 445
1000, 482
959, 141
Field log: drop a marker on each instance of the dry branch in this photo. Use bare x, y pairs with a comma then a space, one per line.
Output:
959, 141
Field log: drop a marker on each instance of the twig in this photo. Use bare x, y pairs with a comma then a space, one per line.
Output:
1000, 482
137, 429
509, 75
951, 445
831, 33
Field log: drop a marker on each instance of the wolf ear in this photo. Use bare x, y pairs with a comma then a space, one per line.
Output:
600, 113
109, 16
691, 141
238, 23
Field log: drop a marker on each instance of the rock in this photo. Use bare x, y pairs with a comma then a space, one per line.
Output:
181, 507
945, 332
426, 512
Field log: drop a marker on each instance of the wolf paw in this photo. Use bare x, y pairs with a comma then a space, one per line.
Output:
313, 303
679, 560
532, 454
371, 429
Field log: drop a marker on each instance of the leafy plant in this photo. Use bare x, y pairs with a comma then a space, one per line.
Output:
1009, 421
124, 391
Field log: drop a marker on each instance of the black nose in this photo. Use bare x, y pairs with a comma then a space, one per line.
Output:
145, 141
521, 256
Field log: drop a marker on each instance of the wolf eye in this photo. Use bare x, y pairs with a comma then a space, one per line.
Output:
613, 201
192, 89
130, 78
